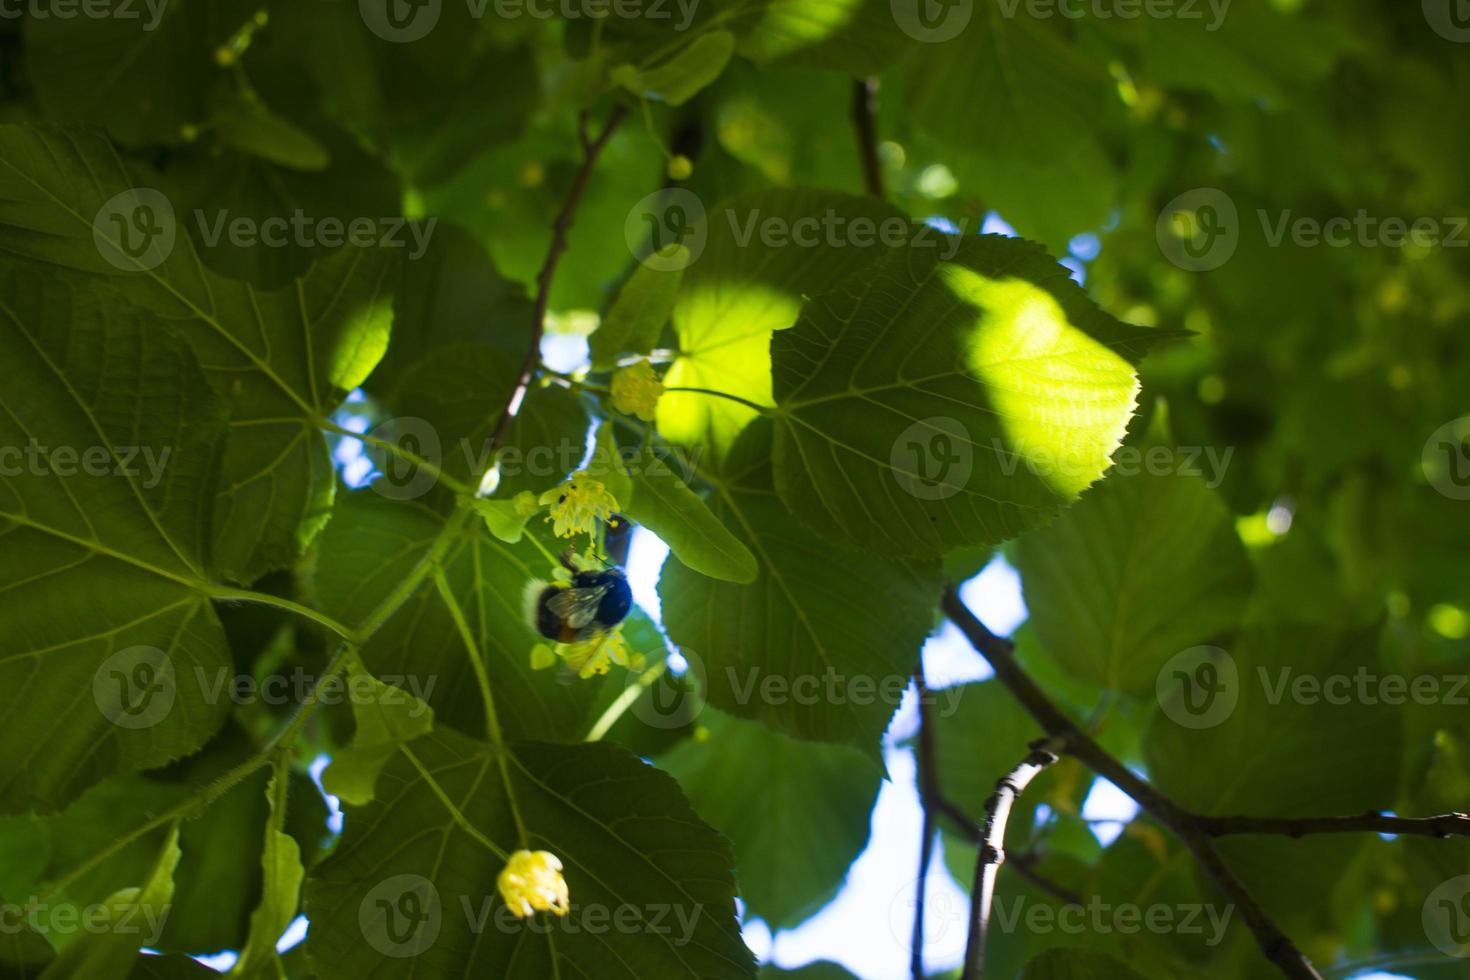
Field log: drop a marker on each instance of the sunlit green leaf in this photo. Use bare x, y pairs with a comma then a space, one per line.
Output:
741, 290
959, 392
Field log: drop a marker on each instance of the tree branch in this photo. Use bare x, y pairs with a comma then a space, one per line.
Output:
864, 107
591, 149
992, 846
1444, 826
929, 797
1275, 945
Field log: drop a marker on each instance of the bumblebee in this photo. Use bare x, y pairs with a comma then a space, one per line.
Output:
592, 603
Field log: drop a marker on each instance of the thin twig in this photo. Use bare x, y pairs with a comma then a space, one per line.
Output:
591, 150
992, 847
1275, 944
928, 798
1444, 826
864, 107
1025, 863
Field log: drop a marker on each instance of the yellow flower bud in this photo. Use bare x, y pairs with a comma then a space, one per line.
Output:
636, 390
525, 503
680, 167
531, 882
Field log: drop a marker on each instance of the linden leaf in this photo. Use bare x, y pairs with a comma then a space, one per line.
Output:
414, 874
958, 392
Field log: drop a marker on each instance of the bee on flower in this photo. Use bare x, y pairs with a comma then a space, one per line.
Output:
582, 612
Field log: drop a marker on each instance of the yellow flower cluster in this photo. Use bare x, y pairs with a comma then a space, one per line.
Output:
596, 656
531, 882
577, 505
636, 390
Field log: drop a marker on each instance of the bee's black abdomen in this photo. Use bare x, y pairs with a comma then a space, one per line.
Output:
548, 623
